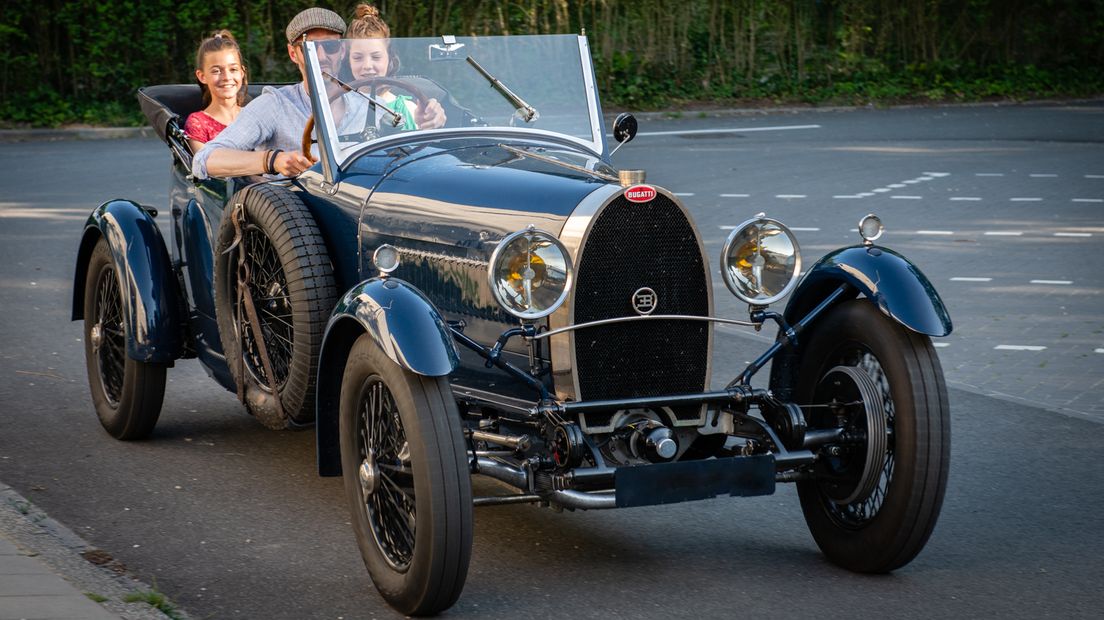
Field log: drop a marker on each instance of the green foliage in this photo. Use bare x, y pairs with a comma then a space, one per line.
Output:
81, 61
154, 599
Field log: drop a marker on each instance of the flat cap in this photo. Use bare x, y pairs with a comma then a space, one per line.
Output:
314, 17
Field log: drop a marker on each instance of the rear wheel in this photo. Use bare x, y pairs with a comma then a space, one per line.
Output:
406, 476
127, 393
877, 493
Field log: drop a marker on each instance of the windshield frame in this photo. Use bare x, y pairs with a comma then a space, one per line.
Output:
334, 157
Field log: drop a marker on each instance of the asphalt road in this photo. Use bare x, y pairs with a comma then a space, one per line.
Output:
230, 521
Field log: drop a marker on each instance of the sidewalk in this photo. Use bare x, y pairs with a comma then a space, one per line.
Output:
44, 574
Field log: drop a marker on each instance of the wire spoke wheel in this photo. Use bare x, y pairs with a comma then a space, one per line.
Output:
407, 482
126, 393
390, 506
108, 336
269, 289
876, 493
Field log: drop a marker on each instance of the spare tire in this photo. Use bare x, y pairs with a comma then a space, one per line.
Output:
292, 287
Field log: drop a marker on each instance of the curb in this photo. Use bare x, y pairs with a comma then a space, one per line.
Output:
64, 552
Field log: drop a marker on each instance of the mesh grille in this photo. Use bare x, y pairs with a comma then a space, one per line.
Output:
632, 246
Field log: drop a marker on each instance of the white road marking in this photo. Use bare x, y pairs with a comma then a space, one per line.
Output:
937, 174
970, 279
907, 197
989, 174
691, 132
843, 197
684, 194
735, 195
881, 190
864, 194
935, 232
1094, 176
789, 195
1069, 234
966, 198
1026, 199
896, 185
796, 229
925, 178
1099, 351
911, 181
941, 345
1063, 282
726, 227
1043, 176
1003, 233
1088, 199
1018, 347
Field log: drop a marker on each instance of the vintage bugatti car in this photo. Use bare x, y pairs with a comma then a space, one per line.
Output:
493, 297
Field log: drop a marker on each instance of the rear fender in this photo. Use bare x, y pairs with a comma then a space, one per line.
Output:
890, 281
152, 297
403, 323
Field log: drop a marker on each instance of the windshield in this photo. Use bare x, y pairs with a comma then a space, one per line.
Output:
377, 88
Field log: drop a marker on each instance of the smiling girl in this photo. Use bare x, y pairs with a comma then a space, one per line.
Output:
221, 76
370, 56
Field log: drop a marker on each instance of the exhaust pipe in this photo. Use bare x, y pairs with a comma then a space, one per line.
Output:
519, 478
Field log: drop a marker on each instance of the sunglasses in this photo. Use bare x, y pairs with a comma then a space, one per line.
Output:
328, 47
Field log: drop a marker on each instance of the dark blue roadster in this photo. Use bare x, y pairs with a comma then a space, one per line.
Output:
493, 297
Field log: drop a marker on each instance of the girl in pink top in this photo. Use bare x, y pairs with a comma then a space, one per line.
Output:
221, 75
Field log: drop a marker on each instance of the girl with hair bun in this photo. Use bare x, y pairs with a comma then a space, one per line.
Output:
222, 77
370, 56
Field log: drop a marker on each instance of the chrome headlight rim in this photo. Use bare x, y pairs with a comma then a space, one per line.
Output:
734, 287
497, 255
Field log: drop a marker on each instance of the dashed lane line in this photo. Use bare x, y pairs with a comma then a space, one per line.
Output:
1042, 176
1018, 347
789, 196
881, 190
989, 174
1003, 233
1099, 351
970, 279
1094, 176
1088, 199
935, 232
907, 197
1025, 199
796, 229
684, 194
1072, 234
735, 195
896, 185
937, 174
1057, 282
941, 345
965, 198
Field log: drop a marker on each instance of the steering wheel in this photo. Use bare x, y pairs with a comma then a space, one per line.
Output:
375, 82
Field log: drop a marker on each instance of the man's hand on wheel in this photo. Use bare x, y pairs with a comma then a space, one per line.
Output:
292, 163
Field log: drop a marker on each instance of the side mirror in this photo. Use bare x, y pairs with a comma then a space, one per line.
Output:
624, 130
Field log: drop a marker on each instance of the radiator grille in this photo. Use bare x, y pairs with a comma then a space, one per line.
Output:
631, 246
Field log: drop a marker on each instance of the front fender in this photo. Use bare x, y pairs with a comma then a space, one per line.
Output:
151, 294
403, 323
896, 286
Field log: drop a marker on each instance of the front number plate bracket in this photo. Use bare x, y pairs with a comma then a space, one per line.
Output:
669, 483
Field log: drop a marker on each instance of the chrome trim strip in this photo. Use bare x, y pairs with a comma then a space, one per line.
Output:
591, 93
625, 319
494, 400
575, 229
325, 125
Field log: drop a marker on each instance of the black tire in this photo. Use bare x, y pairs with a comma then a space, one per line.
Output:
127, 393
416, 421
293, 291
883, 529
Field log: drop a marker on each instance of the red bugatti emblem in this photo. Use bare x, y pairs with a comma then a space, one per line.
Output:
640, 193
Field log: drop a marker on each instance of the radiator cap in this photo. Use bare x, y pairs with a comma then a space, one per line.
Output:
629, 178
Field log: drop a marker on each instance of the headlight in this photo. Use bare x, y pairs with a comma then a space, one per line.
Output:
761, 261
530, 274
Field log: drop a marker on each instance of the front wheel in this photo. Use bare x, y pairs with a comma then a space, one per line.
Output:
876, 493
127, 393
406, 476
